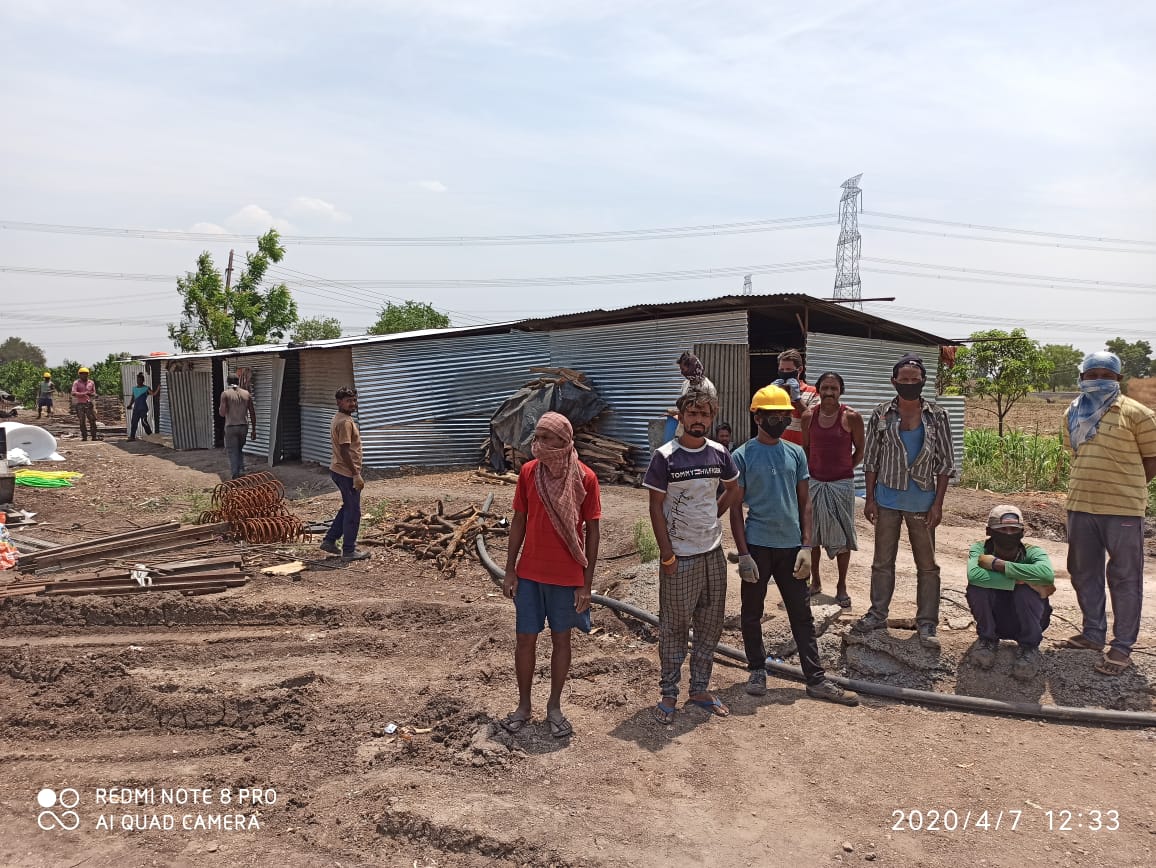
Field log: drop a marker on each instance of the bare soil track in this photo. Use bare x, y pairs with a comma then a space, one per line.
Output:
289, 684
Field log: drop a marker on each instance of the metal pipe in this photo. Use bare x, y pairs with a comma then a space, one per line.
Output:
871, 688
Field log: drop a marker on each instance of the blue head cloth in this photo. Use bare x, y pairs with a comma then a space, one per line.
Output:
1102, 359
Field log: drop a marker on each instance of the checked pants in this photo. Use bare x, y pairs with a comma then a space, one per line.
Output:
693, 598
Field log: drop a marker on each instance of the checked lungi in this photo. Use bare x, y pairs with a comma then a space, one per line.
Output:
694, 597
833, 516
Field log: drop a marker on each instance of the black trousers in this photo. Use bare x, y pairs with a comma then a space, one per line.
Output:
140, 417
779, 564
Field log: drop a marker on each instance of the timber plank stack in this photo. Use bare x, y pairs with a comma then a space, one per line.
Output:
192, 577
150, 541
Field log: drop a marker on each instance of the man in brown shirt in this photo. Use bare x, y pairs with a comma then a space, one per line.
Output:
237, 408
345, 471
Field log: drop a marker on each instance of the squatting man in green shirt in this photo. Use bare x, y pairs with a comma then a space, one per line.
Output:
1008, 585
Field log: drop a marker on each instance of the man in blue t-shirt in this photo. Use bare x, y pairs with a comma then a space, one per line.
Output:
140, 406
685, 512
775, 541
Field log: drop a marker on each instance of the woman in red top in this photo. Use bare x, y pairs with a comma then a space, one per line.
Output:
833, 441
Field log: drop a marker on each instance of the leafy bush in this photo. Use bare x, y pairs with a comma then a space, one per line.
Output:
645, 542
22, 379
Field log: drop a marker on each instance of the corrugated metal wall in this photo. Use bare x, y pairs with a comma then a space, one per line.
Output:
289, 424
322, 372
128, 374
429, 402
634, 366
164, 411
261, 379
728, 366
190, 391
865, 366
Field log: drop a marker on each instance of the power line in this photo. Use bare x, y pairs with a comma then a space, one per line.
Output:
810, 221
1036, 232
961, 269
999, 282
1019, 241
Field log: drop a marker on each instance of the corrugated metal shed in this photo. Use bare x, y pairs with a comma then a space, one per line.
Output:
865, 366
190, 393
289, 421
265, 382
633, 366
322, 373
728, 367
429, 402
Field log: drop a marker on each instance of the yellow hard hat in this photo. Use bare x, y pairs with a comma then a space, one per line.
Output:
48, 374
771, 398
83, 371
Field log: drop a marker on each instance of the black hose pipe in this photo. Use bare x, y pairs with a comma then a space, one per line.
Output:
928, 697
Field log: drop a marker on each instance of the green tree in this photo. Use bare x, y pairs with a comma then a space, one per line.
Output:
21, 377
63, 375
245, 316
106, 374
1065, 361
1135, 358
1001, 365
16, 349
316, 329
408, 317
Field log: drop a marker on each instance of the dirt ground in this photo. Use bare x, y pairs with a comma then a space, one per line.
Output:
288, 686
1032, 415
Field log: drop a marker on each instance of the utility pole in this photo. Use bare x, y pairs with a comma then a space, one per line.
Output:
848, 288
228, 280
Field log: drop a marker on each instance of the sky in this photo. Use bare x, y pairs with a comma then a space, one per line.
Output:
353, 119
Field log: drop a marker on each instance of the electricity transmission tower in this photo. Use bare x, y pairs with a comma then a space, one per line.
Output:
847, 284
748, 288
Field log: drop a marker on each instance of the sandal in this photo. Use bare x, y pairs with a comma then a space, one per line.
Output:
559, 726
511, 723
714, 705
663, 713
1080, 643
1108, 666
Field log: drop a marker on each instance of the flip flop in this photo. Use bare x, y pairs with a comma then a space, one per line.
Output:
844, 601
559, 726
1108, 666
1080, 643
664, 714
511, 723
714, 705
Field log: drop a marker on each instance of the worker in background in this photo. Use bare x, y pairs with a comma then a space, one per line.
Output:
345, 471
1008, 585
803, 396
236, 407
550, 558
44, 394
908, 459
139, 405
833, 441
1114, 441
685, 512
83, 402
722, 434
775, 542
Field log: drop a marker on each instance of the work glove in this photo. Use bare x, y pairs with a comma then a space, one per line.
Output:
803, 564
748, 570
792, 386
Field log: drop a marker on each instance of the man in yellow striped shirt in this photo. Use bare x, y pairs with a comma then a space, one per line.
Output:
1114, 441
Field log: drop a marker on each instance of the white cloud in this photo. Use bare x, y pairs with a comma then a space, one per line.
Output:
433, 186
254, 218
212, 228
313, 207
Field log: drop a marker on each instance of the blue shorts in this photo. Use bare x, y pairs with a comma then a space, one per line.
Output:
537, 602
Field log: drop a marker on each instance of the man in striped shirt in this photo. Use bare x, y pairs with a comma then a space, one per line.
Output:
907, 462
1114, 441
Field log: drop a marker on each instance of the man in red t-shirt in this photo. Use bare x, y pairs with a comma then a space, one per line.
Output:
557, 507
803, 396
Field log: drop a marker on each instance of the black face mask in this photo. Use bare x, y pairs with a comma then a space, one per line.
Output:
774, 430
909, 391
